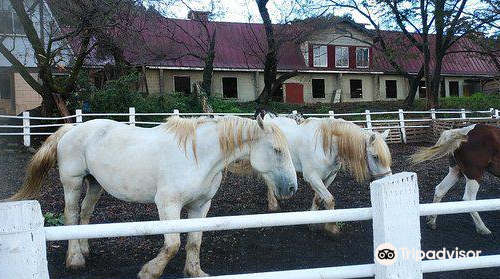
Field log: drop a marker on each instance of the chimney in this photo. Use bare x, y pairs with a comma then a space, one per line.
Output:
198, 15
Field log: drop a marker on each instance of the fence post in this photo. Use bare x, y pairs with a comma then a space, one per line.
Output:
79, 118
496, 114
131, 116
176, 112
433, 114
402, 129
294, 112
22, 241
26, 128
396, 221
463, 114
368, 120
331, 113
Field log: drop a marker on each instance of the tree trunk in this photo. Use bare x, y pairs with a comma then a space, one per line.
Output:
208, 70
61, 106
414, 82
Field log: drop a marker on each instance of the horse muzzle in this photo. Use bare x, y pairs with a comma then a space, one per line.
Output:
286, 190
380, 175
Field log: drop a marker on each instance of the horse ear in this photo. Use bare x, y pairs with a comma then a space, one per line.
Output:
267, 116
260, 122
372, 138
385, 134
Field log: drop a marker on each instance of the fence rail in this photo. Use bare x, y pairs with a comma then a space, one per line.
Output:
405, 126
395, 213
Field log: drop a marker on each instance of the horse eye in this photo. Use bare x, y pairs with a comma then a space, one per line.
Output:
375, 157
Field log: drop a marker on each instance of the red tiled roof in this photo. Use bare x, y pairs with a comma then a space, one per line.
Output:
159, 41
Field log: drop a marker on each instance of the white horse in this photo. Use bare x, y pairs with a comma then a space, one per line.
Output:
175, 165
320, 147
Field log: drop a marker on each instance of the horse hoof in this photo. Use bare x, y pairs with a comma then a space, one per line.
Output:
431, 225
195, 273
315, 227
84, 247
75, 261
274, 208
144, 274
484, 231
332, 231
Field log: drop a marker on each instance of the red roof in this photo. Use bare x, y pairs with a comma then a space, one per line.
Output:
164, 42
459, 60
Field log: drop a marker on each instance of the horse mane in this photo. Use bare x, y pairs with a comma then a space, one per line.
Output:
233, 132
351, 143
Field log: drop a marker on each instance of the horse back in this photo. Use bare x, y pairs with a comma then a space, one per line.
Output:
481, 152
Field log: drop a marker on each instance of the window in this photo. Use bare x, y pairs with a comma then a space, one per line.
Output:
4, 86
356, 88
320, 56
182, 84
318, 88
391, 89
341, 57
362, 57
9, 22
422, 91
453, 88
230, 87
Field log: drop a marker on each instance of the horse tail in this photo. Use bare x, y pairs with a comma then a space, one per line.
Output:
448, 142
44, 159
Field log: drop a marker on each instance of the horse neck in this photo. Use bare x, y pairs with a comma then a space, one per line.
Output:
209, 149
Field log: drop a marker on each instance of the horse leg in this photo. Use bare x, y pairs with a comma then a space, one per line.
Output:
72, 189
471, 188
331, 229
272, 202
94, 191
441, 190
316, 202
193, 267
168, 210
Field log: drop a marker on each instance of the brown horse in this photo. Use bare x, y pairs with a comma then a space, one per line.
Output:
471, 150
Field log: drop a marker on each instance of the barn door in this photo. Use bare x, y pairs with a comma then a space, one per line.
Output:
294, 93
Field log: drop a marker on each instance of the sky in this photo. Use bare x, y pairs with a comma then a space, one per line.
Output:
237, 10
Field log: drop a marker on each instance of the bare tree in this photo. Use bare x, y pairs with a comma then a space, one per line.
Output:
431, 26
393, 46
59, 47
272, 82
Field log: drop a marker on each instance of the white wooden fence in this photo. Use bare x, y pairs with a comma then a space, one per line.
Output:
395, 213
399, 120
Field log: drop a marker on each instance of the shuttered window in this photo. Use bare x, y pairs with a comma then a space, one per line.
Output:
391, 89
230, 87
341, 57
318, 88
182, 84
356, 88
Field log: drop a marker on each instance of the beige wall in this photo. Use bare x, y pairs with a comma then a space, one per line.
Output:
331, 84
246, 81
367, 81
342, 35
25, 97
401, 83
461, 82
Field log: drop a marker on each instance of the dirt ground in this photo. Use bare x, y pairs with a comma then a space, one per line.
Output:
268, 249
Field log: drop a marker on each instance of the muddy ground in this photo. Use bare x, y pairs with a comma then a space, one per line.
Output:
259, 250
